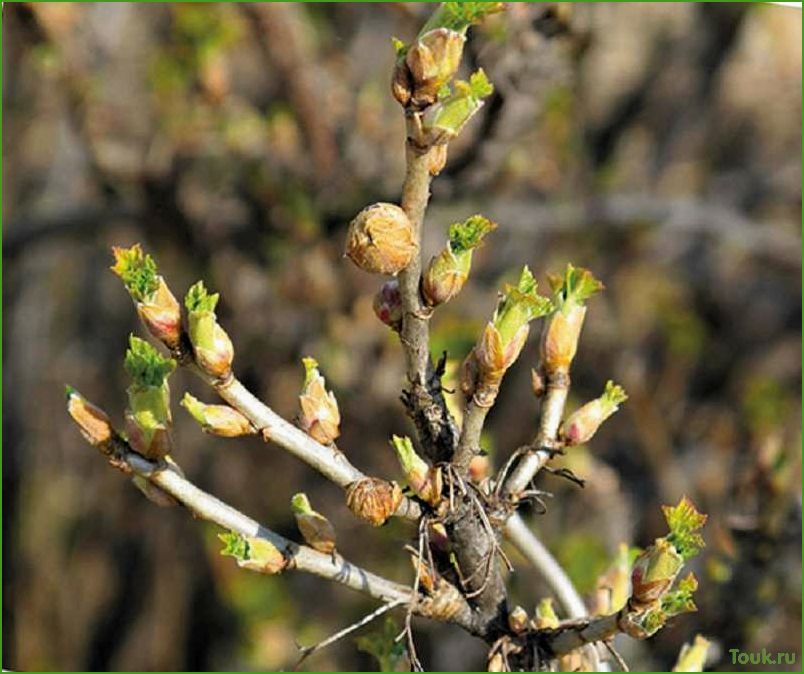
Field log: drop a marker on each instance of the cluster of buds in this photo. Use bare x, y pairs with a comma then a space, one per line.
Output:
424, 479
316, 529
211, 345
426, 66
255, 554
563, 329
381, 239
449, 270
319, 410
388, 305
220, 420
373, 500
444, 120
93, 422
156, 306
581, 425
148, 417
503, 339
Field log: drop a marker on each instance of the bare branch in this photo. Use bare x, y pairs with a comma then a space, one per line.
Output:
329, 461
543, 445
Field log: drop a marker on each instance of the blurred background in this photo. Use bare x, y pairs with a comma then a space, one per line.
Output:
658, 144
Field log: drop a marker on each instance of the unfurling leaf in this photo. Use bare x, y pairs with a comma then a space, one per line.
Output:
684, 522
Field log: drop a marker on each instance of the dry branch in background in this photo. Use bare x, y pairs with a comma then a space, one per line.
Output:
460, 510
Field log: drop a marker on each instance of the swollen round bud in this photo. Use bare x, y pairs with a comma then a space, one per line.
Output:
373, 500
381, 239
388, 305
479, 468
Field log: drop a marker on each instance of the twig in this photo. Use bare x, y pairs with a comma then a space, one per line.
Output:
473, 420
301, 557
329, 461
621, 663
532, 461
307, 651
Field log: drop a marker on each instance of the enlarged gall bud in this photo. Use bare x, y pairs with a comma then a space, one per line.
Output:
211, 345
255, 554
156, 306
316, 529
654, 572
373, 500
432, 61
582, 424
449, 270
220, 420
388, 305
93, 422
496, 663
381, 240
148, 417
424, 479
563, 329
319, 410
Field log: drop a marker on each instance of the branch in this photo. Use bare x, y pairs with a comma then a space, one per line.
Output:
425, 401
329, 461
543, 446
301, 557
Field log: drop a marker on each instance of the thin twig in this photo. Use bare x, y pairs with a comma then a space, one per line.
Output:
307, 651
329, 461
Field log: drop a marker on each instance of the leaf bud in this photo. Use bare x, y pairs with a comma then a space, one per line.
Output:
653, 573
563, 329
582, 424
212, 347
316, 529
93, 422
319, 416
432, 62
148, 418
220, 420
255, 554
449, 270
388, 305
156, 306
424, 479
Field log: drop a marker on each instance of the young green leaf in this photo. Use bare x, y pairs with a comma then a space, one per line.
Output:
145, 365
